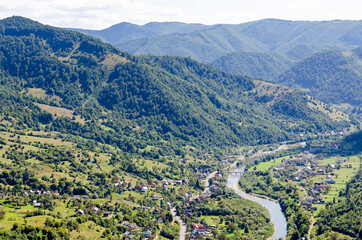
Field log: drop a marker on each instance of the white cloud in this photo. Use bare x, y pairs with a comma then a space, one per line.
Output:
99, 14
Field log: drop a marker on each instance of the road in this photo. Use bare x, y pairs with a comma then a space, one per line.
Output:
207, 187
179, 220
182, 224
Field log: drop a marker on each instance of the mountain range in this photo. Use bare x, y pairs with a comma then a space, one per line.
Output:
293, 39
129, 101
322, 53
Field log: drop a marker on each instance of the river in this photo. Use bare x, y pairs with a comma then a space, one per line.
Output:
276, 214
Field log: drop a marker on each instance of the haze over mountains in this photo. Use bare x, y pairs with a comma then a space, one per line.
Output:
295, 39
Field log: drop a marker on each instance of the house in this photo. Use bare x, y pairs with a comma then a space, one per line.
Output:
95, 209
148, 234
178, 182
321, 170
133, 226
160, 220
307, 204
185, 181
128, 234
188, 195
80, 212
330, 181
155, 197
218, 175
37, 204
76, 196
118, 184
126, 223
85, 197
153, 185
297, 179
144, 189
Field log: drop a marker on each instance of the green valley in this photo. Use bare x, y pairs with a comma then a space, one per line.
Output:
96, 143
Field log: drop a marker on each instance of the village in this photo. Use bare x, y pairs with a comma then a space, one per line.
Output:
319, 177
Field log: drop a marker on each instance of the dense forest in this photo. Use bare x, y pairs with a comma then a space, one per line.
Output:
333, 77
170, 97
264, 66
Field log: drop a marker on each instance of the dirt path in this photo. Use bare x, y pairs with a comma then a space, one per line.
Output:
305, 194
310, 228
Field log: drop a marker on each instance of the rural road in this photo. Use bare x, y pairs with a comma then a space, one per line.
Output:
178, 219
182, 224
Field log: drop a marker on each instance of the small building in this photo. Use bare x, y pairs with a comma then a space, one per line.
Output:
330, 181
105, 214
133, 226
148, 234
126, 223
155, 197
80, 212
128, 234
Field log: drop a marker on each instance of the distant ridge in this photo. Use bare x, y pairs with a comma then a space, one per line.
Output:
294, 39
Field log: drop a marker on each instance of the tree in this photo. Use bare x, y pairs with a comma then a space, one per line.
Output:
222, 236
2, 214
295, 235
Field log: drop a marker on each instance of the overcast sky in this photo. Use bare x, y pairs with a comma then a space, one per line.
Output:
100, 14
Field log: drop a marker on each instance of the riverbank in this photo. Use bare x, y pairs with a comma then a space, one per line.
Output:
236, 188
277, 217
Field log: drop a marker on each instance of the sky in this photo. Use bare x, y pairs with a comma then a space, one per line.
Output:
100, 14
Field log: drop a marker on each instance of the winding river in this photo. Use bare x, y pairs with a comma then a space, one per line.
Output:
276, 214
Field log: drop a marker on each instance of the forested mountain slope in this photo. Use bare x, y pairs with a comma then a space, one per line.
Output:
334, 77
265, 66
132, 102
